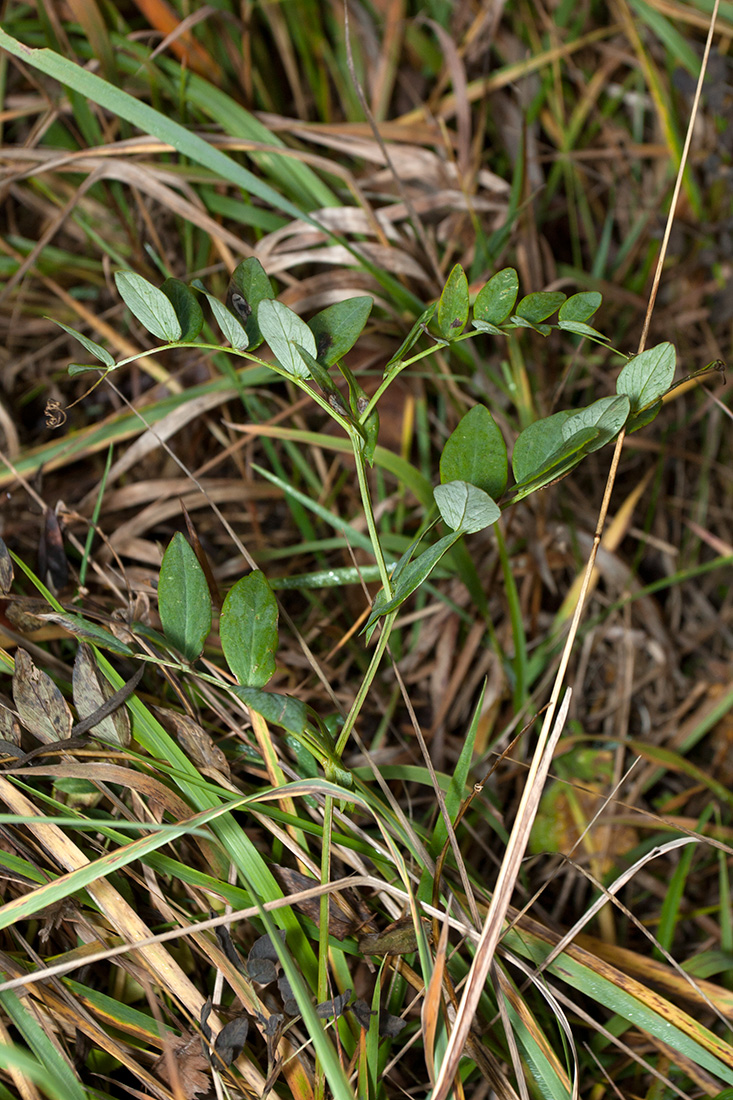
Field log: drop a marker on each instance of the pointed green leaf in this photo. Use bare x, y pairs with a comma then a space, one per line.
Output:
184, 602
94, 349
188, 311
476, 452
486, 326
495, 301
647, 377
411, 577
248, 630
559, 463
608, 415
412, 337
81, 368
281, 710
453, 304
522, 322
580, 307
248, 286
230, 326
149, 304
324, 381
640, 420
536, 443
89, 632
283, 329
582, 329
465, 508
338, 327
538, 307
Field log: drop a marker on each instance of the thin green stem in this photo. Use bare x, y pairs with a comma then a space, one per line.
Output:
322, 987
366, 684
366, 502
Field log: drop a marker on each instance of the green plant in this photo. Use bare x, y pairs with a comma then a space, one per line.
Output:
162, 773
472, 493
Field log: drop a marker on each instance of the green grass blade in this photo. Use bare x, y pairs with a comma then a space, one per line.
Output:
47, 1052
148, 120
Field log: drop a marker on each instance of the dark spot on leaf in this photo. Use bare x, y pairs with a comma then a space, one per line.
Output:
337, 404
238, 304
324, 343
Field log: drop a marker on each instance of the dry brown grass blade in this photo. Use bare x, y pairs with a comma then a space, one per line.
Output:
433, 1001
63, 850
425, 241
502, 896
476, 89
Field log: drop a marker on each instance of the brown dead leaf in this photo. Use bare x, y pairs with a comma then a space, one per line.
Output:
343, 921
53, 568
91, 691
184, 1066
6, 569
9, 724
41, 707
195, 741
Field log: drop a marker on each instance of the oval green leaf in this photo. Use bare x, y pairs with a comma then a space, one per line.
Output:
283, 329
647, 377
538, 307
230, 326
280, 710
608, 415
184, 602
453, 304
476, 452
248, 286
248, 630
188, 311
338, 327
580, 307
149, 304
559, 463
495, 301
93, 348
536, 443
465, 508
